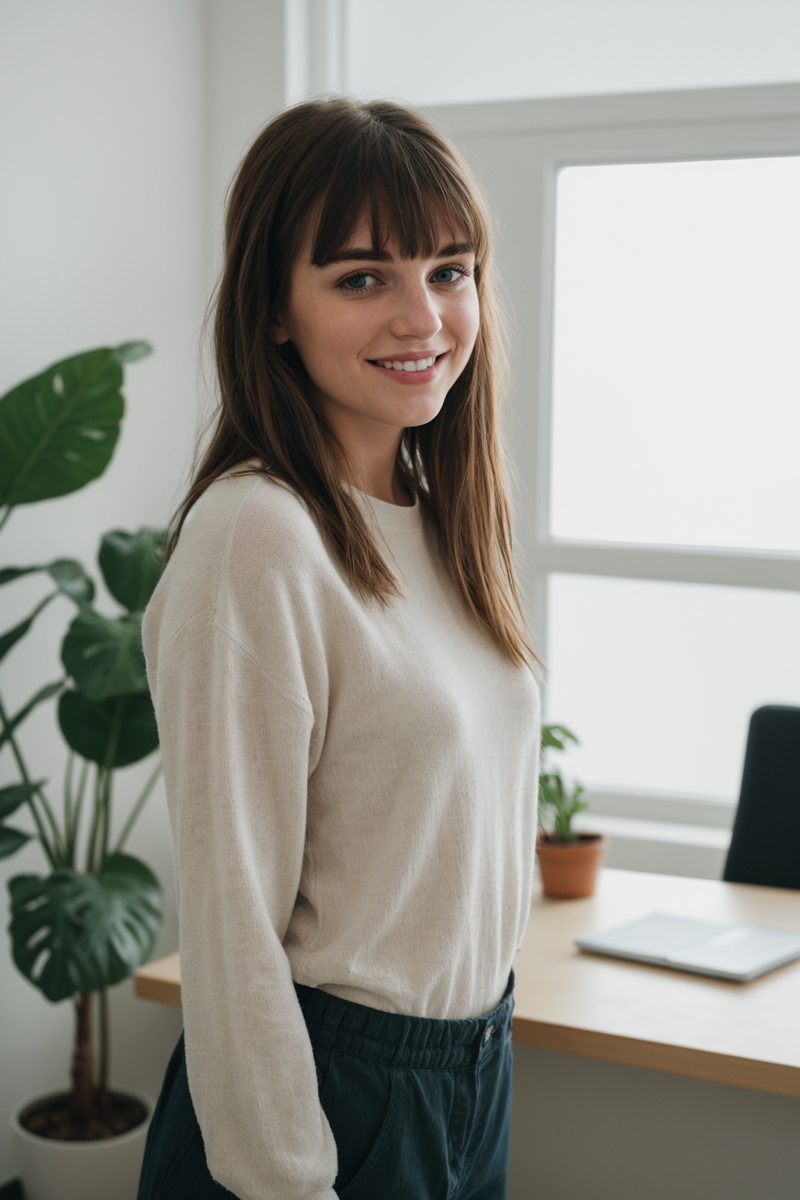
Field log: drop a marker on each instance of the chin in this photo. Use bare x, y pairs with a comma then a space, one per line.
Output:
417, 414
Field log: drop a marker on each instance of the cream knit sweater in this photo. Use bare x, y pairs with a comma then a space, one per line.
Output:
352, 795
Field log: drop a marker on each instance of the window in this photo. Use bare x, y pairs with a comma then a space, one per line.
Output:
676, 376
650, 249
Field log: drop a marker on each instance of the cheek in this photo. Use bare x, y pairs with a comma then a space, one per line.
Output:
331, 334
465, 320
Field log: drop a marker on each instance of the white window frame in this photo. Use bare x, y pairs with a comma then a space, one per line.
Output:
517, 149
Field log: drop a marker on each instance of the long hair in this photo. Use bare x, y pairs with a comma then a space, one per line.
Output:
314, 171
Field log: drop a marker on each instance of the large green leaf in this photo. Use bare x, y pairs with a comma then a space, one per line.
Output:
104, 655
11, 840
88, 727
10, 573
131, 564
70, 578
557, 736
16, 794
76, 932
133, 351
58, 430
67, 574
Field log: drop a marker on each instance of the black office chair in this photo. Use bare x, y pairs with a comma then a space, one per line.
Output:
765, 846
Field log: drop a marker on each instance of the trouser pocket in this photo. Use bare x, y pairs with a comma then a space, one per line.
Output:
360, 1099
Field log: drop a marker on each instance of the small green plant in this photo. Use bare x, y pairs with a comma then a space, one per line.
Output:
86, 925
558, 805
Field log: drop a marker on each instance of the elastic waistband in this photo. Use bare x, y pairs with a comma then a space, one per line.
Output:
398, 1040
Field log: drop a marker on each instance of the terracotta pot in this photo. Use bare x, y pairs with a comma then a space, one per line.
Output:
569, 869
99, 1170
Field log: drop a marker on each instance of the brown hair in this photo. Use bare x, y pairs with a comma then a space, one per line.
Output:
315, 170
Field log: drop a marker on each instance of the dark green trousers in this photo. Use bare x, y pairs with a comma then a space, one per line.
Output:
420, 1108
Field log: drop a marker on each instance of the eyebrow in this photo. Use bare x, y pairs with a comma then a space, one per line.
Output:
364, 254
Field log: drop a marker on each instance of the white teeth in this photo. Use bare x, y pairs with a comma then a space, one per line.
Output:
421, 364
408, 365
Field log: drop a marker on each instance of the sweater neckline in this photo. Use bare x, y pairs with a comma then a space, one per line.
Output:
398, 517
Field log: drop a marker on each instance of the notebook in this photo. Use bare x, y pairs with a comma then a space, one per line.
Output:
738, 952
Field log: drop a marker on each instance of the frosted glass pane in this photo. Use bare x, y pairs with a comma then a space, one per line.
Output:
658, 680
676, 385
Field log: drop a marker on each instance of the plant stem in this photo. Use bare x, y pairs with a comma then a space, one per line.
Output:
106, 815
54, 852
137, 808
103, 794
68, 801
6, 514
81, 1097
102, 1082
90, 852
72, 835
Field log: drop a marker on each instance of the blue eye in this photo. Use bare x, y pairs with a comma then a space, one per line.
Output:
357, 283
453, 271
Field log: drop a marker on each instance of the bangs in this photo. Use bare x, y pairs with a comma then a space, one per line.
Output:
408, 191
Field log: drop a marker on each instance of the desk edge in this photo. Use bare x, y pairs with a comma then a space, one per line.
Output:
657, 1056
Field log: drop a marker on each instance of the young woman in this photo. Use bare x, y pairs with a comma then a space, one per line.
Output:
345, 695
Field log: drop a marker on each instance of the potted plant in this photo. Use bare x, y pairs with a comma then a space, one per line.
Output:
94, 918
568, 860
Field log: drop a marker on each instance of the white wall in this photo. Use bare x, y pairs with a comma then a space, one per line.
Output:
246, 85
455, 51
119, 129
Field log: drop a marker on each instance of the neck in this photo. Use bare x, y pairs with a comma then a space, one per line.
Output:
380, 488
376, 473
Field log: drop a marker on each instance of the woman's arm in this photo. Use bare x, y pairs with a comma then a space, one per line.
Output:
236, 753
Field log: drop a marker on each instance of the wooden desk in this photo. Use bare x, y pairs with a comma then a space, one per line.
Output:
746, 1034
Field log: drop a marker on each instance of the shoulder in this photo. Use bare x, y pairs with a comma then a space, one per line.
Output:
244, 508
247, 523
248, 544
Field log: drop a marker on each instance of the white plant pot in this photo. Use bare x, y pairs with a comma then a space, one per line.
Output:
106, 1169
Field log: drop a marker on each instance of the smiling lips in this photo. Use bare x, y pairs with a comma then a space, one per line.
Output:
408, 364
410, 368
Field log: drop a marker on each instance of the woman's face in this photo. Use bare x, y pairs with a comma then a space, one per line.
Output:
362, 323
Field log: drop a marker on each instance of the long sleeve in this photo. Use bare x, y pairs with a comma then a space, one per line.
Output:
352, 794
236, 747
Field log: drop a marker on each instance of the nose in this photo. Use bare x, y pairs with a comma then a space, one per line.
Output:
415, 314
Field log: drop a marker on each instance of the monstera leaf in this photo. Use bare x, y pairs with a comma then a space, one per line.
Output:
58, 430
74, 932
104, 655
89, 728
10, 799
67, 574
15, 795
11, 840
69, 578
131, 564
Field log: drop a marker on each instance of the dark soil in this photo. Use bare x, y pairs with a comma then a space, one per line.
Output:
53, 1118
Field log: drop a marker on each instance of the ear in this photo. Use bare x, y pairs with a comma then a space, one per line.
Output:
279, 332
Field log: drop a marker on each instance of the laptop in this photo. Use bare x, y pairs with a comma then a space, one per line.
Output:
738, 952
